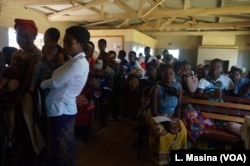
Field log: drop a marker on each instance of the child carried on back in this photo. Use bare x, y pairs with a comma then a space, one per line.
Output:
44, 69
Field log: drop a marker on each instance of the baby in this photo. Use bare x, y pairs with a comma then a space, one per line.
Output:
12, 75
44, 69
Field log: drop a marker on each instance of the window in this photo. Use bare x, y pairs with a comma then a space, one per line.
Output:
12, 39
138, 50
174, 52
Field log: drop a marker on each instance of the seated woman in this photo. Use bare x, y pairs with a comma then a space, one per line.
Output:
236, 74
215, 80
165, 101
242, 83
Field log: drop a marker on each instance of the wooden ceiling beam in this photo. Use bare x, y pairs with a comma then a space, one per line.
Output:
187, 4
167, 22
99, 22
201, 11
157, 14
124, 7
140, 7
93, 17
77, 8
48, 8
235, 16
21, 3
102, 13
153, 7
199, 26
198, 33
124, 23
158, 22
152, 25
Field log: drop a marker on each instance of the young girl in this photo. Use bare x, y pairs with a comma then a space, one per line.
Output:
43, 70
52, 36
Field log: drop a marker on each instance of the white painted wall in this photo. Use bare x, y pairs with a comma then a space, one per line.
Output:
227, 54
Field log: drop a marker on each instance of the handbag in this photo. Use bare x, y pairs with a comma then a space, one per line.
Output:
173, 126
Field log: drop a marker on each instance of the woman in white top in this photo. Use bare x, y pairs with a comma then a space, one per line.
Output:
65, 84
215, 80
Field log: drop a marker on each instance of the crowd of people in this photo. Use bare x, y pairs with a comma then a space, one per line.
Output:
52, 87
42, 86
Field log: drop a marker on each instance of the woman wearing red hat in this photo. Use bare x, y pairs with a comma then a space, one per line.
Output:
26, 32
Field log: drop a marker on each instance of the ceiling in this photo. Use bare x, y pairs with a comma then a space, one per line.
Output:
146, 15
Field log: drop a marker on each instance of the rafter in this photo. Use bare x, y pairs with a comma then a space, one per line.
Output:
187, 4
220, 4
158, 22
125, 22
235, 16
77, 8
148, 14
200, 26
99, 22
161, 13
102, 13
48, 8
167, 22
198, 33
202, 11
155, 5
20, 3
140, 7
151, 24
124, 6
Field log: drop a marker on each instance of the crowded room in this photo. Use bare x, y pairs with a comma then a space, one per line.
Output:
124, 82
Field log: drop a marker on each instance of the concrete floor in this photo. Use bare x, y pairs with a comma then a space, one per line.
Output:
112, 146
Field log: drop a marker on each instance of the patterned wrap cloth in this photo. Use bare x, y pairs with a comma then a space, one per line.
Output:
162, 142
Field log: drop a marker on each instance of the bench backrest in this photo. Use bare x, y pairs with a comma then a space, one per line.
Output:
232, 109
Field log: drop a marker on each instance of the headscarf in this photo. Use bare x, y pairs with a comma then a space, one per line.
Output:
22, 24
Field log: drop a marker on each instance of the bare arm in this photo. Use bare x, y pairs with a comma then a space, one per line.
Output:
178, 108
60, 58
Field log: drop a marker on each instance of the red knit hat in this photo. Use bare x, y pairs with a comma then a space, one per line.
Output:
21, 24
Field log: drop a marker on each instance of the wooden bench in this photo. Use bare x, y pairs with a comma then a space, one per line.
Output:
232, 109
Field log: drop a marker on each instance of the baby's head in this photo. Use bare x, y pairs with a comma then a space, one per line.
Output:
141, 59
99, 64
192, 114
49, 51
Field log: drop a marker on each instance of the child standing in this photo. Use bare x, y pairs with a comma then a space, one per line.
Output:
52, 36
44, 69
